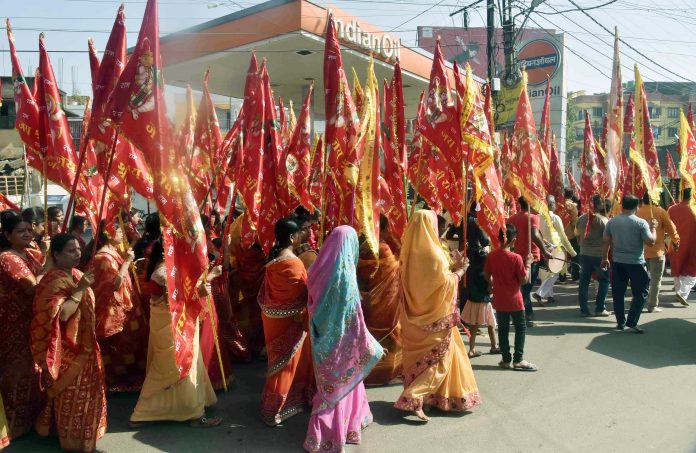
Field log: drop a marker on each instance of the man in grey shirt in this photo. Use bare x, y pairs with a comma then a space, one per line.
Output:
590, 257
625, 235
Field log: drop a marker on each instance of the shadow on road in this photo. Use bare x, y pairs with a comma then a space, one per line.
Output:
667, 342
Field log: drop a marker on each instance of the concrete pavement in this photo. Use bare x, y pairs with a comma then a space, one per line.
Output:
597, 390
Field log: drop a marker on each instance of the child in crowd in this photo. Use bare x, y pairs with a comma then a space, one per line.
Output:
506, 272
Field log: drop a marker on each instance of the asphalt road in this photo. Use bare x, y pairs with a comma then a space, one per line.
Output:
597, 390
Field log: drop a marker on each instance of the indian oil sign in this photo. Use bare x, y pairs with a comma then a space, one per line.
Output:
381, 44
541, 58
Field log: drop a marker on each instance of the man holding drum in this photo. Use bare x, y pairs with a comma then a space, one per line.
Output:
554, 235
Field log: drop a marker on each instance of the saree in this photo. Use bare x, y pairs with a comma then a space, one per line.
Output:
683, 260
121, 324
68, 355
283, 302
19, 381
245, 283
4, 429
164, 396
343, 350
437, 371
382, 294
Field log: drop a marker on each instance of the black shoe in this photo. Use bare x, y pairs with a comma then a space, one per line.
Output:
531, 324
619, 327
637, 329
551, 300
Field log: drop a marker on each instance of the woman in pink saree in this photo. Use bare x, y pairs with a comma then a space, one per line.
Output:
343, 350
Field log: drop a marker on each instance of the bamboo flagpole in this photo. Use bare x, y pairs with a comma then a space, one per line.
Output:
419, 175
69, 212
100, 213
45, 196
209, 300
322, 226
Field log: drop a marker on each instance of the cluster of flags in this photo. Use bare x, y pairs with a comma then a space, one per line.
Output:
358, 169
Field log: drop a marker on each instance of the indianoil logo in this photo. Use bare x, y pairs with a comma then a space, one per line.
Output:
541, 58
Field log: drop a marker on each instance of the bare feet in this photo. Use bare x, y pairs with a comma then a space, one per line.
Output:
421, 415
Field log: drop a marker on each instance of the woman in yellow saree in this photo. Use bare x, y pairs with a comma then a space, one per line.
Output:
437, 371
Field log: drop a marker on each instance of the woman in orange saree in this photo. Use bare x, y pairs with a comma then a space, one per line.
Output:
121, 325
64, 344
437, 371
20, 265
283, 302
382, 297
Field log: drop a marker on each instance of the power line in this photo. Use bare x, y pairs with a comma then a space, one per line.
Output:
630, 46
578, 9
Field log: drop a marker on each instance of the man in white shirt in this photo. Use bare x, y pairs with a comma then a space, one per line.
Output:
555, 236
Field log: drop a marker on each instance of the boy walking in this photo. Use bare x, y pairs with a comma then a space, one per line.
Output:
506, 272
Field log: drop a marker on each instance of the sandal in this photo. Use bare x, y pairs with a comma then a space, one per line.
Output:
495, 351
524, 366
205, 422
475, 354
505, 365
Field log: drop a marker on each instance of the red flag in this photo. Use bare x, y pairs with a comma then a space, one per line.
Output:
556, 182
508, 162
605, 131
54, 132
27, 110
297, 161
545, 134
316, 175
136, 103
394, 151
341, 134
138, 109
230, 156
441, 119
572, 182
93, 62
687, 151
671, 168
528, 174
5, 203
644, 155
208, 138
590, 181
109, 71
545, 123
422, 175
196, 161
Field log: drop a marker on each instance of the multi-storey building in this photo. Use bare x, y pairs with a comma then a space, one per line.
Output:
665, 100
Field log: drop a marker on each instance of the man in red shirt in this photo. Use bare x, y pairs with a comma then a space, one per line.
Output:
522, 222
506, 271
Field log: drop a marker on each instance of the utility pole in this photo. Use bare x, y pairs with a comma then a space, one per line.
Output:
509, 43
490, 45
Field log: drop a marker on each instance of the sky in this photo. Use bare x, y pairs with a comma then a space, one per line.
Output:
662, 30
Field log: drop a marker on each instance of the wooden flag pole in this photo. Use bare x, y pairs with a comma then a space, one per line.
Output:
45, 196
209, 300
126, 245
69, 212
322, 226
419, 175
100, 213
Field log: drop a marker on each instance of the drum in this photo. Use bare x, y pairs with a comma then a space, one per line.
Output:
557, 260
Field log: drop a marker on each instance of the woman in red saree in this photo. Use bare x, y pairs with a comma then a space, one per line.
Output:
20, 265
64, 344
382, 297
245, 279
120, 322
283, 302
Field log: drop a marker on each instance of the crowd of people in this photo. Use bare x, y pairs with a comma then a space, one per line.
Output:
328, 315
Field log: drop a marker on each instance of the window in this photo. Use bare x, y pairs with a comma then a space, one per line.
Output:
655, 112
672, 132
581, 115
656, 131
673, 112
579, 133
597, 112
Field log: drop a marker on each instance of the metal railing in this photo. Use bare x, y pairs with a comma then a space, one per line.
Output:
12, 184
